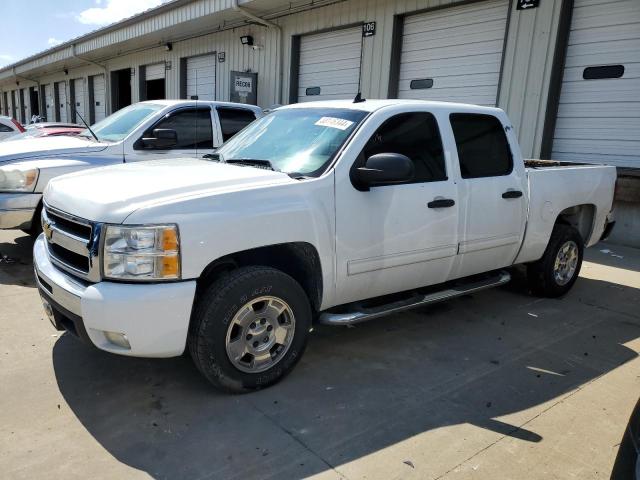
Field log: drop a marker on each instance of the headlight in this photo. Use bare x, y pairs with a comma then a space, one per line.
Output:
150, 253
14, 179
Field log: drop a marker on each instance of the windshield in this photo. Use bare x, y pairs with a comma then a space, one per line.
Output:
296, 140
119, 125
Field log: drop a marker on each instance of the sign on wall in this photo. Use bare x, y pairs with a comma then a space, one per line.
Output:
526, 4
368, 29
244, 87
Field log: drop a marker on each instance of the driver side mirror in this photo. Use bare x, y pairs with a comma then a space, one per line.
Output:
162, 138
384, 169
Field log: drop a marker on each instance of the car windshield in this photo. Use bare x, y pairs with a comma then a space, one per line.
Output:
119, 125
295, 141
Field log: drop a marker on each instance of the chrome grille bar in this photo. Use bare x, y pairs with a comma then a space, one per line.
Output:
70, 243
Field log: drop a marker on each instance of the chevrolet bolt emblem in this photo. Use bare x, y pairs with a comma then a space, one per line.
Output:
48, 231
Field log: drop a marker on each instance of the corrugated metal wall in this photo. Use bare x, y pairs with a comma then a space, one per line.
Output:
524, 84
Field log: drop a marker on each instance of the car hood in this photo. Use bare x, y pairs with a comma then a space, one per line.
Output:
47, 146
110, 194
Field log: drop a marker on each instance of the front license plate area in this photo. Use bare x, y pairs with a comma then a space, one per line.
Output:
48, 310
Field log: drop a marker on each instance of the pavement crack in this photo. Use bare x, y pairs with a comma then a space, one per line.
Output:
296, 439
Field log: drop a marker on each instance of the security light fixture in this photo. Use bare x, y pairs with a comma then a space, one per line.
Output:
66, 71
168, 47
246, 40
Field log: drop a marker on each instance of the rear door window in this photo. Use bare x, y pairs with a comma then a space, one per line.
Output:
483, 149
232, 120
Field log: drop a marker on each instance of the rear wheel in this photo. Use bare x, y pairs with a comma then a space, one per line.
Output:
249, 329
558, 269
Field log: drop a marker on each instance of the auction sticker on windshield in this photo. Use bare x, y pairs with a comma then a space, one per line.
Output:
333, 122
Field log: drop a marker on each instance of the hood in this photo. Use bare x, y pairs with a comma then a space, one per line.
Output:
110, 194
47, 146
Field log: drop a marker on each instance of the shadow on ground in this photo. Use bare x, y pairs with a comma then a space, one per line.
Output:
358, 390
16, 260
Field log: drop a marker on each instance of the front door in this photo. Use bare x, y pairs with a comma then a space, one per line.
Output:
193, 127
493, 195
402, 236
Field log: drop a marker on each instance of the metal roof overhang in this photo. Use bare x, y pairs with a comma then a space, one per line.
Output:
170, 22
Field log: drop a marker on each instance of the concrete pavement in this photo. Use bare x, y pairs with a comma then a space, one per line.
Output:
495, 385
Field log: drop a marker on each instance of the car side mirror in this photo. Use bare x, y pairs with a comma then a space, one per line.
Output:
384, 169
162, 138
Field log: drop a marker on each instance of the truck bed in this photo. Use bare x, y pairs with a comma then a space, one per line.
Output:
557, 186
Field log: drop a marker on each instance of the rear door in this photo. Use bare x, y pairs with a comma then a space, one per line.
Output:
493, 194
194, 130
393, 237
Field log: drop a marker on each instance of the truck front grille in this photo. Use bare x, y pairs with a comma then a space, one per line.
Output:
71, 243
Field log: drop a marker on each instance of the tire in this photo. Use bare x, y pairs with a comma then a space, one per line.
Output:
36, 223
235, 314
547, 279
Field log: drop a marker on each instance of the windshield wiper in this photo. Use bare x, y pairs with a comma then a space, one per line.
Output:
252, 162
216, 157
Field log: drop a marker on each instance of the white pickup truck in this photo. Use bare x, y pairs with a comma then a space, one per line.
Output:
143, 131
335, 212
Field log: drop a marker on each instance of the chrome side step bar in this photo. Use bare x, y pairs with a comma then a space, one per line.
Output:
362, 314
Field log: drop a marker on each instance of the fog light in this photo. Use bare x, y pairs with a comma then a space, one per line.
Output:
119, 339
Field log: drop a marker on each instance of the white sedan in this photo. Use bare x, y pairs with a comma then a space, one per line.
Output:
9, 127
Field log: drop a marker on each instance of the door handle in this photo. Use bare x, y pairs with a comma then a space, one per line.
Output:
441, 203
512, 194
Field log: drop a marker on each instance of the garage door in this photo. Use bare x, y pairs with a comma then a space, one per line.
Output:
154, 72
454, 54
78, 100
49, 103
11, 104
99, 98
62, 101
201, 77
26, 105
599, 111
330, 65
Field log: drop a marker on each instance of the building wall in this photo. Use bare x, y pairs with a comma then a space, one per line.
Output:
524, 84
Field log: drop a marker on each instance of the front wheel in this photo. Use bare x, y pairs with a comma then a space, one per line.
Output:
249, 329
558, 269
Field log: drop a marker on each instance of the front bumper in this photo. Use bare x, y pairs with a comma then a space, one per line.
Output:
154, 317
17, 209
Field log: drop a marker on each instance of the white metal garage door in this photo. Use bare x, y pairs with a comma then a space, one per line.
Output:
10, 104
330, 65
201, 77
26, 107
454, 54
154, 72
62, 101
79, 101
49, 103
599, 111
99, 98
